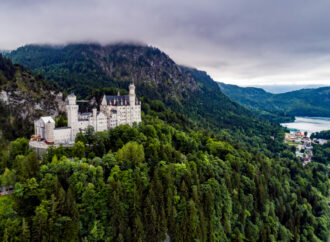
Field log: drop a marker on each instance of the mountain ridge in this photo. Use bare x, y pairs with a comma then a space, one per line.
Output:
304, 102
277, 89
84, 67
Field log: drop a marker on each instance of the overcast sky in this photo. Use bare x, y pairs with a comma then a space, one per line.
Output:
245, 42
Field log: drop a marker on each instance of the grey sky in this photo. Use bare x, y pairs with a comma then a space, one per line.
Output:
245, 42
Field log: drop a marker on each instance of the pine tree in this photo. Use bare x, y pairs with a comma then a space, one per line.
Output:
25, 236
5, 237
138, 230
71, 209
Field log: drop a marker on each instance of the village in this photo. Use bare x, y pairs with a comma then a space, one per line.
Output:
303, 144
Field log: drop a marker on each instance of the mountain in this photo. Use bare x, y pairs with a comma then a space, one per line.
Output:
275, 89
83, 68
23, 98
4, 52
199, 167
304, 102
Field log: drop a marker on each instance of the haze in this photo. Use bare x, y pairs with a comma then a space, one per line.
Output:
254, 42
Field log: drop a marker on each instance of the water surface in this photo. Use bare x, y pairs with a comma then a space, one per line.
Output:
309, 124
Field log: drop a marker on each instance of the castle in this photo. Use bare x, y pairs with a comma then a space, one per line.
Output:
114, 111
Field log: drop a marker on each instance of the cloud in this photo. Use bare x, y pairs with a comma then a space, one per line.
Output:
236, 41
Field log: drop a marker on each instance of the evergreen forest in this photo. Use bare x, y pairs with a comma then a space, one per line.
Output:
199, 167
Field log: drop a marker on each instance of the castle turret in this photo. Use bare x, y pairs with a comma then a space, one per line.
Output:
132, 94
72, 114
72, 110
94, 118
49, 132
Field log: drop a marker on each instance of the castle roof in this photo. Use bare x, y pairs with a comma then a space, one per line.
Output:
119, 100
47, 119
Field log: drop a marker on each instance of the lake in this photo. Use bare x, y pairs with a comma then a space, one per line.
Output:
309, 124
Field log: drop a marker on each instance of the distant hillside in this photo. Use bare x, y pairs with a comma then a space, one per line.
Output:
82, 68
23, 97
276, 89
4, 52
304, 102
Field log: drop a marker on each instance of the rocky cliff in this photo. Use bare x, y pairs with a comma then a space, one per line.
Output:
23, 98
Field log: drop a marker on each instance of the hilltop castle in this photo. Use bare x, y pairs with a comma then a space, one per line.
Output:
114, 111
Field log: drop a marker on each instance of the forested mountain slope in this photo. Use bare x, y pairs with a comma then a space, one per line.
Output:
154, 181
82, 68
304, 102
199, 167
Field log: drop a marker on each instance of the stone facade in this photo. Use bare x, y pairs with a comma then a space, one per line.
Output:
114, 111
124, 109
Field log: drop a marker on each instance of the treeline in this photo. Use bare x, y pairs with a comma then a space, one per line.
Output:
321, 153
7, 69
325, 134
154, 181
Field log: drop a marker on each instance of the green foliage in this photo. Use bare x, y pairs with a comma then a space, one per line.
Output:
131, 155
78, 149
19, 146
61, 121
321, 153
188, 185
325, 134
7, 178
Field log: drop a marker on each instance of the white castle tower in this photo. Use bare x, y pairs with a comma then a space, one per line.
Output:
132, 95
49, 132
72, 114
94, 118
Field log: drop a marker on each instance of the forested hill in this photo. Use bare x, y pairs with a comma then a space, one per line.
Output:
80, 68
304, 102
165, 178
83, 68
23, 97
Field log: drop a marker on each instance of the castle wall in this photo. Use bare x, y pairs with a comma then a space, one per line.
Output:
83, 124
101, 122
118, 115
62, 135
38, 129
